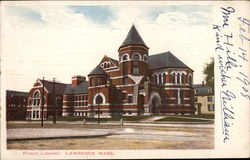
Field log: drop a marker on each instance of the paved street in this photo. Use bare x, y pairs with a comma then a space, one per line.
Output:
145, 136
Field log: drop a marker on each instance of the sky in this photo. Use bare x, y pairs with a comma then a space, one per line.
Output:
62, 41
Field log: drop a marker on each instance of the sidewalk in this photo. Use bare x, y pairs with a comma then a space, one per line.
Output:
19, 134
158, 124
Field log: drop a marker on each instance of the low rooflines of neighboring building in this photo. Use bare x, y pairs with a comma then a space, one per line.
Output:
16, 93
201, 89
79, 89
165, 60
133, 38
97, 71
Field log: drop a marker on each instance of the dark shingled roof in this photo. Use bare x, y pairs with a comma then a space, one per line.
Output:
79, 89
166, 59
97, 71
16, 93
59, 87
133, 38
202, 89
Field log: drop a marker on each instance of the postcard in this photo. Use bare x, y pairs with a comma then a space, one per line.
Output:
125, 79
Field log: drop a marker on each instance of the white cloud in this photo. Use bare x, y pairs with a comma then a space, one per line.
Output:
66, 43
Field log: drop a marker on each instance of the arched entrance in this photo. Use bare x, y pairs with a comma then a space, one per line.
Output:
154, 103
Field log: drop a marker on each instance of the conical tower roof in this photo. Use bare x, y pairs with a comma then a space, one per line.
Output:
133, 38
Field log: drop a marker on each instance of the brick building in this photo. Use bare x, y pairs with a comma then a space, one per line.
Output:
16, 105
136, 84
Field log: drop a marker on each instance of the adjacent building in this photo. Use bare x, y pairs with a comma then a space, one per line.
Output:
135, 84
204, 99
16, 105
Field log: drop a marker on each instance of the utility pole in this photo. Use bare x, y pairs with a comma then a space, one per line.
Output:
42, 103
98, 113
54, 100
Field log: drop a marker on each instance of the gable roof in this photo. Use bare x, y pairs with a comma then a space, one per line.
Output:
133, 38
166, 59
59, 87
82, 88
115, 61
97, 71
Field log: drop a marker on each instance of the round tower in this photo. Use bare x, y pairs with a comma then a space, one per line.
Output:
133, 55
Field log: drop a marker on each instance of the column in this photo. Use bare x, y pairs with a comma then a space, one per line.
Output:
162, 78
157, 78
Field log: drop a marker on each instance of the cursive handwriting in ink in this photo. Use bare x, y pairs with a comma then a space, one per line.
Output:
227, 113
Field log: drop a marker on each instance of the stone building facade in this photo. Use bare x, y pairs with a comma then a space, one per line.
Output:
204, 99
135, 84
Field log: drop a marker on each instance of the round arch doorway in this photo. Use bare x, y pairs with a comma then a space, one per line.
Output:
154, 103
155, 106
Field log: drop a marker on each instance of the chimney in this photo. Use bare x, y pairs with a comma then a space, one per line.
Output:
76, 80
202, 83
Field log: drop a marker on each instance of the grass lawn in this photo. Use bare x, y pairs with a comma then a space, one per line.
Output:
180, 119
207, 116
114, 118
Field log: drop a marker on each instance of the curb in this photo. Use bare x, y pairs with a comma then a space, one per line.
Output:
61, 137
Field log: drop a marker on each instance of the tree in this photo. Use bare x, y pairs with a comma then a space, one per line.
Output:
209, 72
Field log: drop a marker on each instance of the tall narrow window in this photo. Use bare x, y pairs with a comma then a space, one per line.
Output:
155, 78
178, 78
99, 81
160, 79
135, 68
36, 99
125, 80
190, 80
173, 78
130, 99
125, 68
182, 78
182, 96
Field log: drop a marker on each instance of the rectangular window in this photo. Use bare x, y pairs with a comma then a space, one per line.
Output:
99, 81
125, 68
124, 96
130, 99
136, 68
182, 96
210, 107
210, 99
125, 80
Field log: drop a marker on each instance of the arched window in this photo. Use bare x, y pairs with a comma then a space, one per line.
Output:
107, 65
173, 78
125, 57
190, 80
182, 78
99, 99
178, 78
36, 98
104, 65
136, 57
